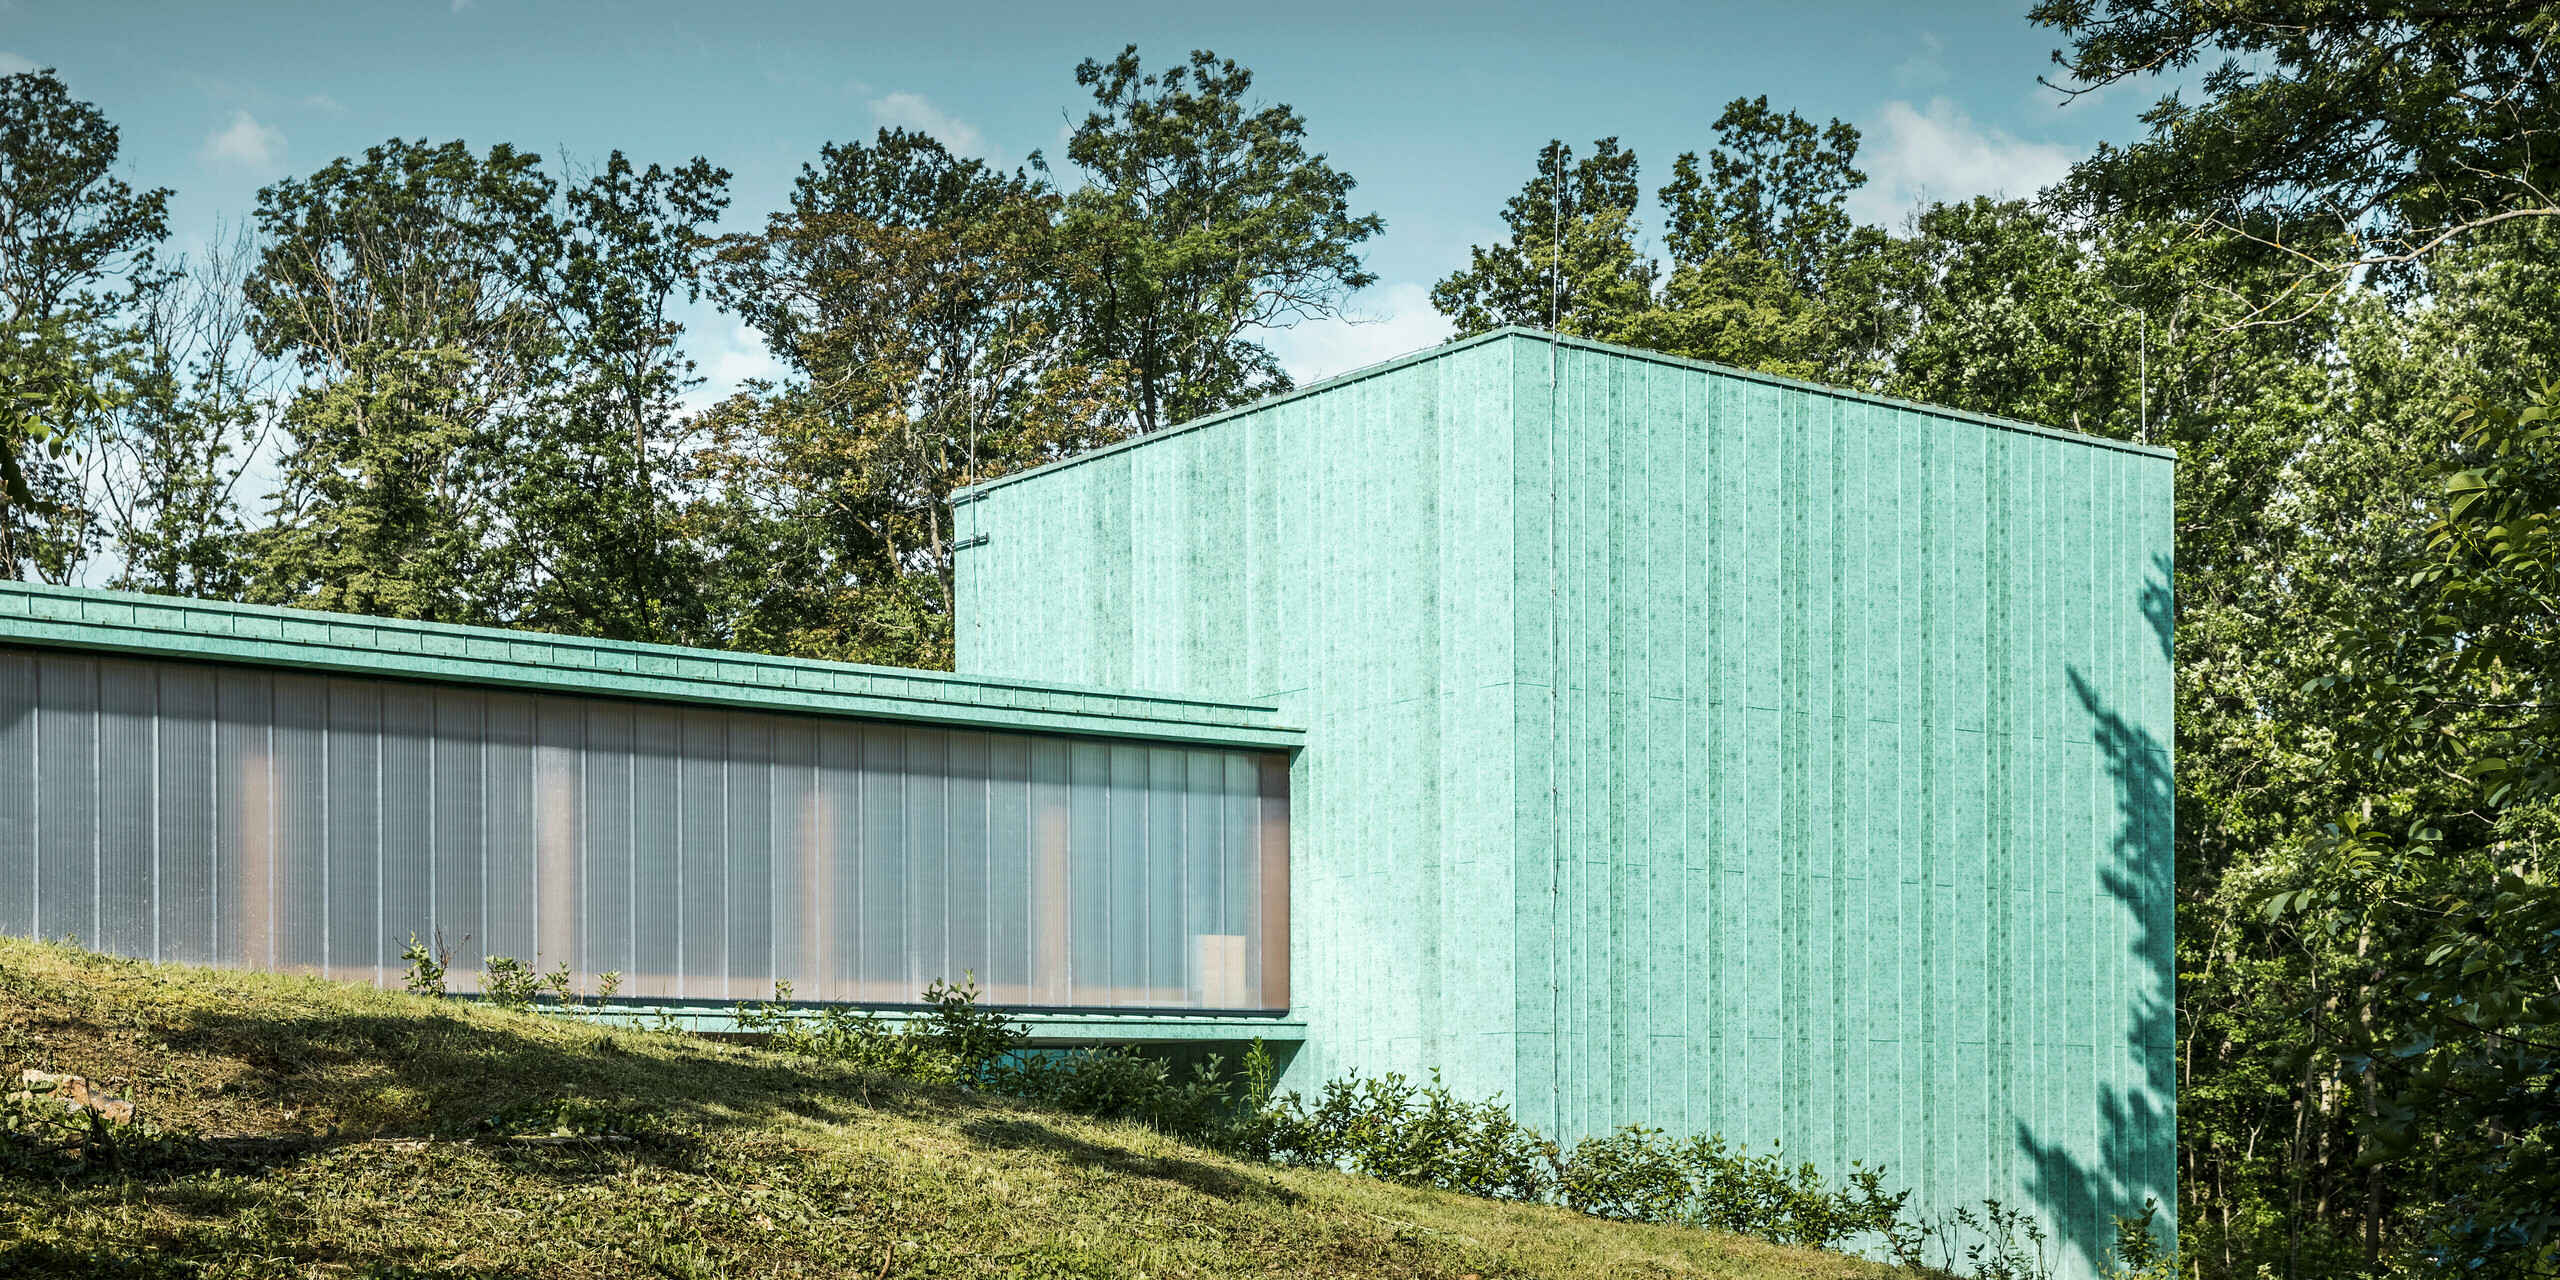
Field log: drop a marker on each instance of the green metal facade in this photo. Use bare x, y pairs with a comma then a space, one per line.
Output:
306, 640
1684, 747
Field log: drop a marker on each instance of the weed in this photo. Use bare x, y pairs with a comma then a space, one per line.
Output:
425, 976
509, 983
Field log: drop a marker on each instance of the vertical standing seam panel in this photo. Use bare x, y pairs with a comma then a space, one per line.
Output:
1890, 812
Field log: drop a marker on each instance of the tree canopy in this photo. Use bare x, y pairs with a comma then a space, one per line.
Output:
449, 381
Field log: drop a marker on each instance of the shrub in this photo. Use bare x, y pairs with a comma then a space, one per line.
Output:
425, 975
1759, 1196
1421, 1134
954, 1042
509, 983
1626, 1175
1386, 1127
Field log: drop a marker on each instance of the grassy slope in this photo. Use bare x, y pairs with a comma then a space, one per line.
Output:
313, 1098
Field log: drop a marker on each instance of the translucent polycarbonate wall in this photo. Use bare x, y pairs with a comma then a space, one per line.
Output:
270, 820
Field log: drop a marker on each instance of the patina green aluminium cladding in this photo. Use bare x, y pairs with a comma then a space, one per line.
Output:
1685, 747
308, 640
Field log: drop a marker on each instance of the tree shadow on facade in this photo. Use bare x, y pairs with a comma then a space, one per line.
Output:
2134, 1159
2160, 606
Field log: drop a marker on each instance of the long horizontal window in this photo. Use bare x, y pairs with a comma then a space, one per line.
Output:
315, 823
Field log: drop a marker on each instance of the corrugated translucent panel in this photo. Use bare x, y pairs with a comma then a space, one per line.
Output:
18, 812
272, 820
186, 811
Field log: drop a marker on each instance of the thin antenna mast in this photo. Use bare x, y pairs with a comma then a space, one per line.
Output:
1555, 672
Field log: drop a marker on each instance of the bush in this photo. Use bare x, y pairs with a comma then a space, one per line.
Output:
1392, 1128
1759, 1196
1626, 1175
1387, 1128
955, 1042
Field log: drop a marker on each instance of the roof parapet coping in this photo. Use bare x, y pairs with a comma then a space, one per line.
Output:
135, 624
979, 490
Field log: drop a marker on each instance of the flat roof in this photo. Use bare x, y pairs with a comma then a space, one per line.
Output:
131, 623
1542, 337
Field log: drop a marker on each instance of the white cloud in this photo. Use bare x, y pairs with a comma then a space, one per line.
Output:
1941, 154
11, 64
1922, 70
904, 110
244, 146
1388, 321
323, 102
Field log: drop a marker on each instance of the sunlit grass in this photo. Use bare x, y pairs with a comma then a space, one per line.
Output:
335, 1129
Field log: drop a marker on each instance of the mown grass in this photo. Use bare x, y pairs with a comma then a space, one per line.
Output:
339, 1130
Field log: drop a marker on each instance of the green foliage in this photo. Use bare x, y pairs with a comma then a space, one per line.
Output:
2450, 676
71, 233
1775, 196
509, 983
598, 452
2401, 123
398, 285
2001, 1243
918, 295
1629, 1174
1733, 1190
1387, 1127
2139, 1254
1125, 1084
45, 392
1571, 263
953, 1042
1767, 269
196, 404
1202, 221
424, 972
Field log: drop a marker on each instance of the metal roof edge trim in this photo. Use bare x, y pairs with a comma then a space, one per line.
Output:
974, 492
1845, 393
207, 630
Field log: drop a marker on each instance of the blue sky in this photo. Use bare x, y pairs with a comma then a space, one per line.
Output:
1437, 109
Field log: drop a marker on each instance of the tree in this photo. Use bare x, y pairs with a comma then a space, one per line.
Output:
2452, 679
1202, 222
399, 285
1768, 270
2331, 136
1778, 195
597, 456
199, 404
69, 231
1571, 263
917, 297
2012, 314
